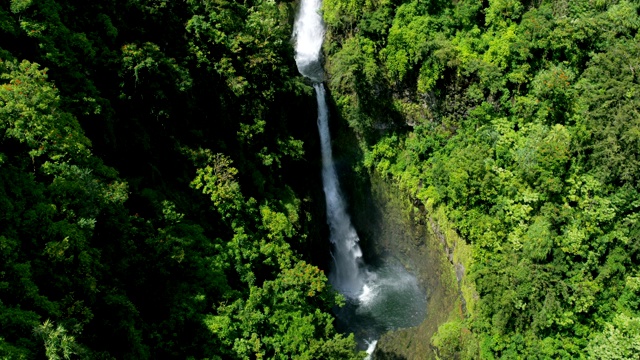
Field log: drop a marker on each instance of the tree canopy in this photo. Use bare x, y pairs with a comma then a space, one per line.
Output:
150, 198
518, 119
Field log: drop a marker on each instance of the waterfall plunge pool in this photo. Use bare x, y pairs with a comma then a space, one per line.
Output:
391, 299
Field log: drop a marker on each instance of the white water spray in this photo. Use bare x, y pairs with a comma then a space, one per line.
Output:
347, 275
371, 347
308, 32
377, 300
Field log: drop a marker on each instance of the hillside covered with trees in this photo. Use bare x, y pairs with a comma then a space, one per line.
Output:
160, 193
518, 124
156, 199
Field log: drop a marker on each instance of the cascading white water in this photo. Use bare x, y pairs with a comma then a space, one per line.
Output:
378, 301
308, 32
347, 275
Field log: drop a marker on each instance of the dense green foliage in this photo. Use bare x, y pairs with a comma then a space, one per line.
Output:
521, 119
151, 202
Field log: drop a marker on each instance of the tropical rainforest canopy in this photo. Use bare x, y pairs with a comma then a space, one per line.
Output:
153, 196
160, 189
520, 121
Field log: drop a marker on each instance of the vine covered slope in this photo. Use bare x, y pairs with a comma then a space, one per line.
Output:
155, 196
520, 122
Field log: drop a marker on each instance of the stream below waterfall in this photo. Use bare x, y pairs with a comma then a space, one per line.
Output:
380, 297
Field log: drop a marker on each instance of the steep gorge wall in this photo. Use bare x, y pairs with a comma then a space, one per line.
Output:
516, 121
390, 223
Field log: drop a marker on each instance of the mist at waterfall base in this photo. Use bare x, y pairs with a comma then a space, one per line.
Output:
379, 298
391, 299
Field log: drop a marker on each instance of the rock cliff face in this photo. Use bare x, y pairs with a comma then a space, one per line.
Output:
391, 225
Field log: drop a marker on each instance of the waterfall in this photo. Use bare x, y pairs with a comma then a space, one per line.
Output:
308, 32
380, 300
347, 274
